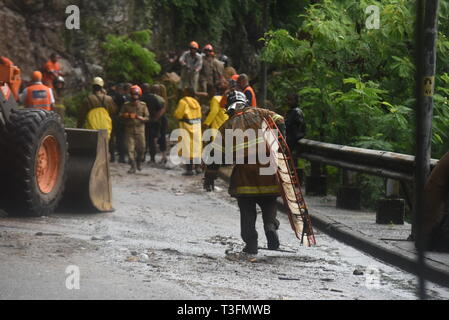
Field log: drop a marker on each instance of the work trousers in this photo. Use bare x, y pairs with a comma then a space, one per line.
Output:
248, 215
117, 140
135, 142
189, 79
156, 131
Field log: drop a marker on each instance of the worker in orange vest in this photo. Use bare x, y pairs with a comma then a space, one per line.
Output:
37, 95
243, 85
52, 70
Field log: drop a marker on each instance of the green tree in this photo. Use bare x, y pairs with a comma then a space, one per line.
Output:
357, 84
128, 59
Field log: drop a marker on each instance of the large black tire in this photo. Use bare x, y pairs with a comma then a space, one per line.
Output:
26, 133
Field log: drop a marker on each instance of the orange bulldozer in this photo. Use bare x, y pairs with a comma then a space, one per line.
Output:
44, 165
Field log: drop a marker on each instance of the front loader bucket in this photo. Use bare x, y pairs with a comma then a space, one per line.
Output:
88, 185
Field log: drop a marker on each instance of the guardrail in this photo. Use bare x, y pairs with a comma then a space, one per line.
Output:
386, 164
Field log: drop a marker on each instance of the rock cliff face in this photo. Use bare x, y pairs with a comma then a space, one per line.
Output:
30, 30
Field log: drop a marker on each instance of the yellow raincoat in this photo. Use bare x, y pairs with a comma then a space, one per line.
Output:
188, 112
217, 115
97, 119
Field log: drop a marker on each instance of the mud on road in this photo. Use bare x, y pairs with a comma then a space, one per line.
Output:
167, 239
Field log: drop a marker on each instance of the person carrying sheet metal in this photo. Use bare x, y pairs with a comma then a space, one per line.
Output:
248, 183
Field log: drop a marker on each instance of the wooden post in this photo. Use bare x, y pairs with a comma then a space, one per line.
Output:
426, 37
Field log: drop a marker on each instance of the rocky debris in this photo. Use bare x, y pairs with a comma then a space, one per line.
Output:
40, 234
335, 290
144, 257
172, 251
101, 238
289, 279
136, 257
132, 259
223, 240
241, 256
358, 271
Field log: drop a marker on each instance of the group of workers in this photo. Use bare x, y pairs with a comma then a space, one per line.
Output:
135, 116
136, 119
43, 90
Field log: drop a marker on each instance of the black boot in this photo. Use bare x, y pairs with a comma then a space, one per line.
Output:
251, 249
272, 239
189, 170
138, 166
133, 167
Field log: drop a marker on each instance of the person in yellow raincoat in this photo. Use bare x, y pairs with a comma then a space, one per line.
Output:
188, 112
217, 115
96, 111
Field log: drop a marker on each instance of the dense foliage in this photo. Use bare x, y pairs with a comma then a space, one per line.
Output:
128, 59
233, 27
357, 84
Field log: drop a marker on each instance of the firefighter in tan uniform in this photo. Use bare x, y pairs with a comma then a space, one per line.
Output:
247, 184
135, 114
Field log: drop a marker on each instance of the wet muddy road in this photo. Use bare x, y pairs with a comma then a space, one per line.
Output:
167, 239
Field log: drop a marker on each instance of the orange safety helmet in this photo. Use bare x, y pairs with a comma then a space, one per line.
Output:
36, 76
208, 47
136, 88
194, 44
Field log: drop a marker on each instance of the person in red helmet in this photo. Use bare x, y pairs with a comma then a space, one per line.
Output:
37, 95
212, 71
191, 62
135, 114
52, 70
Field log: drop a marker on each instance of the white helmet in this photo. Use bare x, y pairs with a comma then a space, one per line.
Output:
98, 81
236, 100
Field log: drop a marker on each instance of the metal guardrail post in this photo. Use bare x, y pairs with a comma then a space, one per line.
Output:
348, 194
391, 209
316, 183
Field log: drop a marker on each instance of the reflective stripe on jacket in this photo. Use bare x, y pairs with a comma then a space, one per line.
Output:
188, 112
246, 179
38, 96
